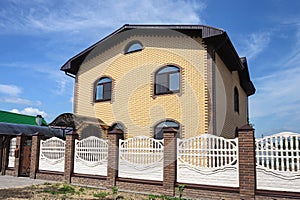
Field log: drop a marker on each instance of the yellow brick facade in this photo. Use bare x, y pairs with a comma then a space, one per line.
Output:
133, 100
134, 103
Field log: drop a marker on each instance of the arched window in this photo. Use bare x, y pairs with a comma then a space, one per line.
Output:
133, 46
167, 80
236, 100
103, 89
158, 129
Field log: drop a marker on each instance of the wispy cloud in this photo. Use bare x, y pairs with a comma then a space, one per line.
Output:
277, 101
11, 90
59, 79
16, 100
254, 44
10, 94
277, 94
61, 16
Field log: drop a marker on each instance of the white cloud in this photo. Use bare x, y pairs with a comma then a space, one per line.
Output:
11, 90
16, 100
254, 44
58, 16
30, 111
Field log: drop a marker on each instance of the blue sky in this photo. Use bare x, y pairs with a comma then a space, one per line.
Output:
37, 37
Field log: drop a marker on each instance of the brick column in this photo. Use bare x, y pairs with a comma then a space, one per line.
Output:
5, 154
170, 161
247, 165
35, 154
113, 156
18, 152
1, 151
69, 155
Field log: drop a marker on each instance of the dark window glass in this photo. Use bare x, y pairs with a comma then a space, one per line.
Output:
236, 100
158, 130
134, 46
103, 89
167, 80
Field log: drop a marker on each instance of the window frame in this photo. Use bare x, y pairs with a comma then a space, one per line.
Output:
167, 79
97, 84
127, 47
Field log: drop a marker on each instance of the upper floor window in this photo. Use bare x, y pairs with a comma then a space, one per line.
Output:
133, 46
104, 89
158, 129
167, 80
236, 100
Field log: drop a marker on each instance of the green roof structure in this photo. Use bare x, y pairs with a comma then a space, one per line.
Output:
14, 118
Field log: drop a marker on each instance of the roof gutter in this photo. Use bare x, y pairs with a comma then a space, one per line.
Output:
69, 74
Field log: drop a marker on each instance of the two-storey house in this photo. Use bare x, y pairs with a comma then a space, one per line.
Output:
142, 78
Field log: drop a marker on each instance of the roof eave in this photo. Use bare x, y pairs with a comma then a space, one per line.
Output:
72, 68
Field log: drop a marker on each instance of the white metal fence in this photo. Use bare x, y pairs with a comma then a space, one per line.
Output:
278, 162
91, 156
11, 157
141, 158
52, 155
209, 160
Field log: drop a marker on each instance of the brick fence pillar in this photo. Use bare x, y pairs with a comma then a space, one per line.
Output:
247, 165
35, 154
113, 156
69, 155
170, 161
1, 150
5, 153
20, 139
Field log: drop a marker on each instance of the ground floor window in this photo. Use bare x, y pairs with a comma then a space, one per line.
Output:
158, 129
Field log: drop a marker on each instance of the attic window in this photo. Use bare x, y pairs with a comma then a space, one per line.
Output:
133, 47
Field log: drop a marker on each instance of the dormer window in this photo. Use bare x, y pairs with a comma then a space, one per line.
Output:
133, 47
103, 89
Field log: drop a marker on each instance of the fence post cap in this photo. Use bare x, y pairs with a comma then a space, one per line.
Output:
246, 127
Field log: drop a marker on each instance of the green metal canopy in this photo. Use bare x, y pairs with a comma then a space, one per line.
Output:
14, 118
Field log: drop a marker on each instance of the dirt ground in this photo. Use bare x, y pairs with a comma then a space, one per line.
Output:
63, 191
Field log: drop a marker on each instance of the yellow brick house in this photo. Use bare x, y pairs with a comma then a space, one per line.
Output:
141, 78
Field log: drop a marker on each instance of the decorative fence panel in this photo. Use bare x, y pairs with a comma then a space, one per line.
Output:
11, 157
52, 155
278, 162
141, 158
91, 156
208, 160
